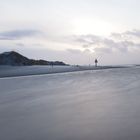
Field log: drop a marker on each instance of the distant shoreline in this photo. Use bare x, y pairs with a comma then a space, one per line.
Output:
18, 71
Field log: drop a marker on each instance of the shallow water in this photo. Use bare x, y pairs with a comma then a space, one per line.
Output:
88, 105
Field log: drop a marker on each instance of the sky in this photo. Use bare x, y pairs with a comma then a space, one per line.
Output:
73, 31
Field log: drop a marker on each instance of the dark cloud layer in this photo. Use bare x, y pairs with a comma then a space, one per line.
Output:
17, 34
122, 42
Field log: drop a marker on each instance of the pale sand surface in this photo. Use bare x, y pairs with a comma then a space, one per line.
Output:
85, 105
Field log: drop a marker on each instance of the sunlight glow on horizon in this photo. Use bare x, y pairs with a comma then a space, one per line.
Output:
92, 26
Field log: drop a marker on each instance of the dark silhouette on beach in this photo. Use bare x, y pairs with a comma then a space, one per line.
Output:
96, 62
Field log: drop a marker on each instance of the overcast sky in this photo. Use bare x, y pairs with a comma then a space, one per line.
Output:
74, 31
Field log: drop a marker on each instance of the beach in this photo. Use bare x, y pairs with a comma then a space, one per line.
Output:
93, 105
14, 71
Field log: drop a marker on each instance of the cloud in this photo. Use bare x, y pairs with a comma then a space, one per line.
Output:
103, 50
116, 42
133, 35
18, 34
122, 42
20, 44
74, 51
